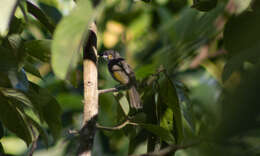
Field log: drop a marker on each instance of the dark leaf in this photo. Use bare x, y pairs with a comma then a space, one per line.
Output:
40, 49
236, 39
123, 102
169, 96
241, 45
41, 16
32, 69
161, 132
12, 119
47, 107
16, 26
17, 95
40, 129
204, 5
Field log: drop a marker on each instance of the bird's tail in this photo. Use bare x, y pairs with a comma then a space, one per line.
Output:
134, 98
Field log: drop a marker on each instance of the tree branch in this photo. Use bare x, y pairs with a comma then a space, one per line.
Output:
90, 76
119, 127
115, 89
108, 90
165, 151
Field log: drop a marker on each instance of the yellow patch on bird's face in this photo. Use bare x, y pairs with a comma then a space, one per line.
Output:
110, 57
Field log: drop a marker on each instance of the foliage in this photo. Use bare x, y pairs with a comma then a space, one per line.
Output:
196, 62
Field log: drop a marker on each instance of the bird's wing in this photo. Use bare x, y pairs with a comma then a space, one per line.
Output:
126, 67
119, 74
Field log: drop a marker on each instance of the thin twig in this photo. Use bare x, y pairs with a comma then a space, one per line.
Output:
119, 127
115, 89
165, 151
108, 90
34, 146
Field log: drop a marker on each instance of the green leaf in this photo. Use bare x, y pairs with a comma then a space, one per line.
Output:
161, 132
204, 5
1, 149
47, 107
12, 119
241, 45
30, 68
40, 129
7, 59
1, 130
236, 39
17, 95
69, 37
123, 102
167, 119
7, 8
40, 49
169, 96
41, 16
70, 101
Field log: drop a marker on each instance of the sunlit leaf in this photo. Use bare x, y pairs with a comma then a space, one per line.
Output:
30, 68
7, 8
169, 97
68, 38
241, 45
47, 107
50, 7
7, 59
1, 130
1, 148
18, 79
204, 5
16, 26
122, 100
41, 16
41, 130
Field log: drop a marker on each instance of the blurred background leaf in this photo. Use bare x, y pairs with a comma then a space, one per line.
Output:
196, 62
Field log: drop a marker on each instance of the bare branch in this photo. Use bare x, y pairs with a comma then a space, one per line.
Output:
108, 90
116, 89
165, 151
119, 127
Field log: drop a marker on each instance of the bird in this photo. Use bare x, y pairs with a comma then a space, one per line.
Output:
123, 73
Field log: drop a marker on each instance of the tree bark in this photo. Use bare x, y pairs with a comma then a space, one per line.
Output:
90, 76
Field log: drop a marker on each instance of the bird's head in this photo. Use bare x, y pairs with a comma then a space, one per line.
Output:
110, 55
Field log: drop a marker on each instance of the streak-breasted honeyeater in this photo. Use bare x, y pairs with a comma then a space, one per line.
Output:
124, 74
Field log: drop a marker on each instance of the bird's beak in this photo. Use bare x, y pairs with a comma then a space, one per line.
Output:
104, 56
